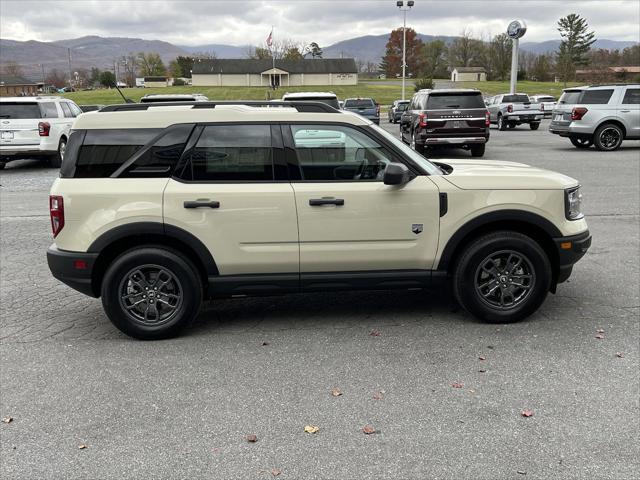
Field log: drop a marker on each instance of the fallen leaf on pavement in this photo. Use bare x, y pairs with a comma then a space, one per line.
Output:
521, 472
82, 446
7, 419
252, 438
311, 428
368, 429
275, 472
378, 395
264, 344
375, 333
482, 357
482, 370
600, 330
490, 347
335, 392
527, 413
599, 336
457, 385
619, 355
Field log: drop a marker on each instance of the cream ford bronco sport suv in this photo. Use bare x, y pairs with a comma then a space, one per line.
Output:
160, 206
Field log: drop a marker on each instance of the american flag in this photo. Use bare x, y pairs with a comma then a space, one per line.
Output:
270, 38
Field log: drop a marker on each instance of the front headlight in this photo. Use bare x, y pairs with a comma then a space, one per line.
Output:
573, 203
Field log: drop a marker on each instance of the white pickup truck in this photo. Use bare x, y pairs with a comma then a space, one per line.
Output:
511, 110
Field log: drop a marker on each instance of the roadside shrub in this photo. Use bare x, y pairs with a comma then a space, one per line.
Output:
425, 82
178, 82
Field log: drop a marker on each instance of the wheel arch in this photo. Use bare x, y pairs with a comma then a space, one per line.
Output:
120, 239
612, 121
533, 225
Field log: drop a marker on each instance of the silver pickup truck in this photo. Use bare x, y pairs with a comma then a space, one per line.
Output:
511, 110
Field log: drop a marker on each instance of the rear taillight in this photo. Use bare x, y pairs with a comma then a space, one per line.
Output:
44, 128
422, 118
56, 211
487, 119
542, 106
578, 112
509, 108
377, 110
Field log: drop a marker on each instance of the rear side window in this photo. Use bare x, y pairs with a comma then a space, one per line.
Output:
19, 110
516, 99
436, 102
104, 151
570, 97
232, 153
75, 109
596, 97
632, 96
48, 110
362, 103
66, 110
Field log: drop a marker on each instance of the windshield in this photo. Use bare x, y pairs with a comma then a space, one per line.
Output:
570, 97
465, 100
426, 165
516, 99
361, 103
402, 107
19, 110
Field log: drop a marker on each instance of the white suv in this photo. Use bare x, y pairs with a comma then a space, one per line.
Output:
35, 127
158, 207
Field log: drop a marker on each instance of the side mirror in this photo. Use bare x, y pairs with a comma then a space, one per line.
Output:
396, 174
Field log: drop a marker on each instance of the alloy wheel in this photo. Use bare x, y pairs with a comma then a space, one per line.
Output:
504, 279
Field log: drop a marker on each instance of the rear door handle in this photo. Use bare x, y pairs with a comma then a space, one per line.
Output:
625, 111
201, 204
316, 202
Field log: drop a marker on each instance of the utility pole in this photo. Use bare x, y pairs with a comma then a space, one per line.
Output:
69, 56
400, 4
43, 82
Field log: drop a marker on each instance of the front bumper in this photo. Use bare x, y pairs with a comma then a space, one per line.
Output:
73, 268
570, 250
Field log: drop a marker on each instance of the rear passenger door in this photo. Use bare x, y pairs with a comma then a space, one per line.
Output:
233, 194
629, 111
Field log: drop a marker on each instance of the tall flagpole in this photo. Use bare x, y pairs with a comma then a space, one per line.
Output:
273, 60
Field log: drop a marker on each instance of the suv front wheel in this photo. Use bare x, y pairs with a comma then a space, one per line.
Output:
608, 137
151, 293
502, 277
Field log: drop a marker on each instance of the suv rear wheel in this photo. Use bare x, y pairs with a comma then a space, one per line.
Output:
534, 125
418, 148
581, 142
608, 137
151, 293
502, 277
56, 160
478, 150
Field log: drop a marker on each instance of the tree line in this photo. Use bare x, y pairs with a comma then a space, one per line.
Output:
435, 59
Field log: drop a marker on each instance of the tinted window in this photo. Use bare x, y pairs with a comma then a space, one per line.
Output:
361, 103
66, 110
338, 153
402, 107
71, 154
104, 151
596, 97
19, 110
159, 159
516, 99
455, 101
333, 102
632, 97
570, 97
48, 110
232, 153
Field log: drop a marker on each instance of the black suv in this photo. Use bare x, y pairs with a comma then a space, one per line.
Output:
447, 117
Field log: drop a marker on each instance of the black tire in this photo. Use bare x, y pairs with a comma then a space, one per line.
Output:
608, 137
581, 142
534, 125
476, 255
56, 160
415, 145
478, 150
2, 165
501, 123
512, 125
185, 284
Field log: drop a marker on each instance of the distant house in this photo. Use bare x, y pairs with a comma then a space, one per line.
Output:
243, 72
150, 82
14, 86
469, 74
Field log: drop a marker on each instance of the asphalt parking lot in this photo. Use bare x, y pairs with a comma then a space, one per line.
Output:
182, 408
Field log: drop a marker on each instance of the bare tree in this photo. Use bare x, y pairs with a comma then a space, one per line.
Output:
12, 68
56, 78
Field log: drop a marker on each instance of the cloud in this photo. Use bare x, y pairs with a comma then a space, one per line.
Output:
245, 22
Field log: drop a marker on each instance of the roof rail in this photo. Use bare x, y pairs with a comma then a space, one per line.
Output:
612, 84
300, 106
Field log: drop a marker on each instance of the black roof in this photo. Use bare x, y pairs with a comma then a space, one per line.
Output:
247, 65
14, 80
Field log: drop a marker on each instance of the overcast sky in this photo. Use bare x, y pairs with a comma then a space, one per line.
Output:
245, 22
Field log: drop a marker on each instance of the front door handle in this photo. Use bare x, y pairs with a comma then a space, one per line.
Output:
316, 202
625, 111
201, 204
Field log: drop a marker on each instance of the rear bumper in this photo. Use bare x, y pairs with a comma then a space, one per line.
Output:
26, 151
455, 140
528, 117
73, 268
562, 130
570, 250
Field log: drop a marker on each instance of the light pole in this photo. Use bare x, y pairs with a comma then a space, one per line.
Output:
404, 8
515, 31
